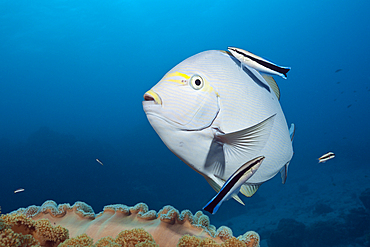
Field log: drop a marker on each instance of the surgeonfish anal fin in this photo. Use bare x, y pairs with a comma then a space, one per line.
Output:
292, 131
237, 198
249, 189
272, 83
246, 143
215, 183
284, 172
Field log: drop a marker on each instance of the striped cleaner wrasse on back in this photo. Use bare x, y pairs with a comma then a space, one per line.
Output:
216, 113
259, 63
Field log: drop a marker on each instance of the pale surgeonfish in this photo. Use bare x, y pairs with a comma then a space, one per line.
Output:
216, 113
233, 184
258, 63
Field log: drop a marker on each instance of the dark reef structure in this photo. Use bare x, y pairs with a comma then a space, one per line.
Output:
351, 229
365, 198
322, 209
289, 232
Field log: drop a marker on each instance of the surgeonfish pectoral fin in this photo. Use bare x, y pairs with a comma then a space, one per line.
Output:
272, 83
249, 189
292, 131
248, 142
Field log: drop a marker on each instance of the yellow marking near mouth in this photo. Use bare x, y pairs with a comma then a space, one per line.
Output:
155, 97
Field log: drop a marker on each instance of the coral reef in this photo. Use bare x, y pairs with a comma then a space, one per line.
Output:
81, 240
52, 225
351, 229
18, 230
192, 241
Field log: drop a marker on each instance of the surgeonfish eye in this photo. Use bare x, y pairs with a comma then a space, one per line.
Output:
196, 82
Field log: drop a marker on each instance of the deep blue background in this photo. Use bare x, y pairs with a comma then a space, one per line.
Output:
73, 73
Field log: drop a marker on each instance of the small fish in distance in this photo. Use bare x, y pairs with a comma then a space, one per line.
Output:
258, 63
233, 184
97, 160
326, 157
18, 190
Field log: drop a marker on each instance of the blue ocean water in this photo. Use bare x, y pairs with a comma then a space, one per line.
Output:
72, 79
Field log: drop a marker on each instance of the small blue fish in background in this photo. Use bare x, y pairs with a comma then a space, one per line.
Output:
233, 184
216, 111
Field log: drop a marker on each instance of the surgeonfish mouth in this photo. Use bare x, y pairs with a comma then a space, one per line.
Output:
260, 61
153, 97
233, 184
326, 157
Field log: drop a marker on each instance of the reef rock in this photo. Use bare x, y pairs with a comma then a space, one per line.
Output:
288, 233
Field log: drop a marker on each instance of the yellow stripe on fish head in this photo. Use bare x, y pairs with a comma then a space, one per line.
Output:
183, 79
187, 99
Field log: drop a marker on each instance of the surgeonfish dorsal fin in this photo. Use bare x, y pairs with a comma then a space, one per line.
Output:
272, 83
292, 131
249, 189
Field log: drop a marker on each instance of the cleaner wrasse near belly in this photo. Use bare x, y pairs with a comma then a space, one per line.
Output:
216, 113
